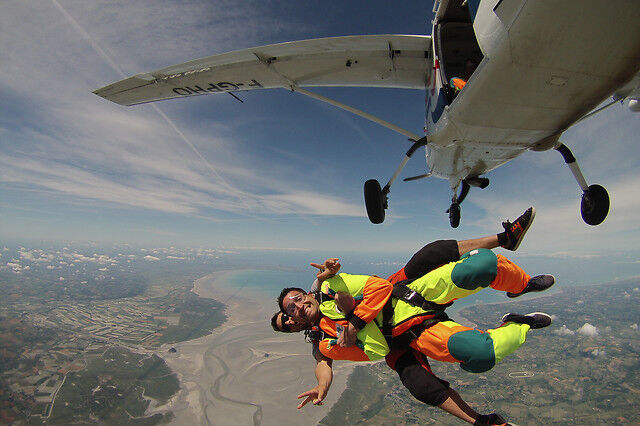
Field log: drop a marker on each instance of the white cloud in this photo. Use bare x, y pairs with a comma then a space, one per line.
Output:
588, 330
98, 152
27, 255
151, 258
564, 331
15, 267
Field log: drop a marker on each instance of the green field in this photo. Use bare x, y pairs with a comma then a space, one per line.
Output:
114, 389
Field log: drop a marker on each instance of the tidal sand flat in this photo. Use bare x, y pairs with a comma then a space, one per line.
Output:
244, 373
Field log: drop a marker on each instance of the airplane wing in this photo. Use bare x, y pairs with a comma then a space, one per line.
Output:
393, 61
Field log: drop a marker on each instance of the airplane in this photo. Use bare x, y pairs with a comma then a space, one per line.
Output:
529, 70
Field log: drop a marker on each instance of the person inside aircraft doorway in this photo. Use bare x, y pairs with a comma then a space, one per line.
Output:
458, 83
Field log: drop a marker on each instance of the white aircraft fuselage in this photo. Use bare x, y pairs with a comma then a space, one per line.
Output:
542, 65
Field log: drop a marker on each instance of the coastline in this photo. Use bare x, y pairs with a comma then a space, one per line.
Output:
244, 373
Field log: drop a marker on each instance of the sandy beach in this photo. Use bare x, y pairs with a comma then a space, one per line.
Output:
244, 373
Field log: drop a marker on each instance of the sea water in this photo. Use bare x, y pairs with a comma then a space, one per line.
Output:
269, 283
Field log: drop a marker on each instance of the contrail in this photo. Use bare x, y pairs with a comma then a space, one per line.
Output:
117, 69
84, 34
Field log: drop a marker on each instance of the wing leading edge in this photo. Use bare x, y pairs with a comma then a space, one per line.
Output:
391, 61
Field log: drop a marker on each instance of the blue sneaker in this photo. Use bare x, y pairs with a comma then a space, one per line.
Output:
537, 283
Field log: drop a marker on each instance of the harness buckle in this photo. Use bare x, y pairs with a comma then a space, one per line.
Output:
314, 334
412, 335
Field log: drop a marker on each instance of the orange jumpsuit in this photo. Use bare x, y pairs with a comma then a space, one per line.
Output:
475, 350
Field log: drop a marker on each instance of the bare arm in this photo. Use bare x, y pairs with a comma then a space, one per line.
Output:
324, 375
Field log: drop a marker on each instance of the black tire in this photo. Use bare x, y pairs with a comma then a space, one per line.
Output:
454, 215
595, 205
375, 201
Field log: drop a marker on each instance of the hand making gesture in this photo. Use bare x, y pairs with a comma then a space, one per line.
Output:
328, 269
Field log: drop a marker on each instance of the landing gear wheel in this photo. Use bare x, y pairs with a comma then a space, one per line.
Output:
595, 205
375, 201
454, 215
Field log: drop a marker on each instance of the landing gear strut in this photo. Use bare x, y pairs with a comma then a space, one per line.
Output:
456, 200
595, 199
375, 198
454, 208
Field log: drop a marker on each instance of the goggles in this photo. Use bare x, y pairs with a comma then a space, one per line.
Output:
283, 322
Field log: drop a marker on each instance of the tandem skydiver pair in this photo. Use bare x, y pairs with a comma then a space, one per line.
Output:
403, 318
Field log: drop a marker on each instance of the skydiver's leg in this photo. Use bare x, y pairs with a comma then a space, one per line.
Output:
456, 406
510, 239
466, 246
431, 257
476, 351
510, 277
441, 252
475, 271
416, 375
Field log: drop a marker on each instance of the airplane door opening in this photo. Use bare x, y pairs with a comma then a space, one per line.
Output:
457, 47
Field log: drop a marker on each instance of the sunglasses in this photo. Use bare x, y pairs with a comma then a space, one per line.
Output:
283, 322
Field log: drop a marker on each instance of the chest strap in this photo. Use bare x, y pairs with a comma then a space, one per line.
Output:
322, 297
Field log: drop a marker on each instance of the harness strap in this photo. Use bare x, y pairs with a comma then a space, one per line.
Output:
387, 317
402, 292
322, 297
316, 334
405, 339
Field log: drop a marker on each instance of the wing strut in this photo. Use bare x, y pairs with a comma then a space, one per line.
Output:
613, 101
295, 88
356, 111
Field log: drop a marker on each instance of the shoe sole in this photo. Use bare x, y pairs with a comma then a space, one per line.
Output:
506, 315
552, 284
529, 315
524, 231
514, 295
541, 313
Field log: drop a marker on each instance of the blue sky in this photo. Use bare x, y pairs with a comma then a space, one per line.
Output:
277, 171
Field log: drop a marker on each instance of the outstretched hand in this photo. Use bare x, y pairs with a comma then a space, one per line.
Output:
328, 269
315, 395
